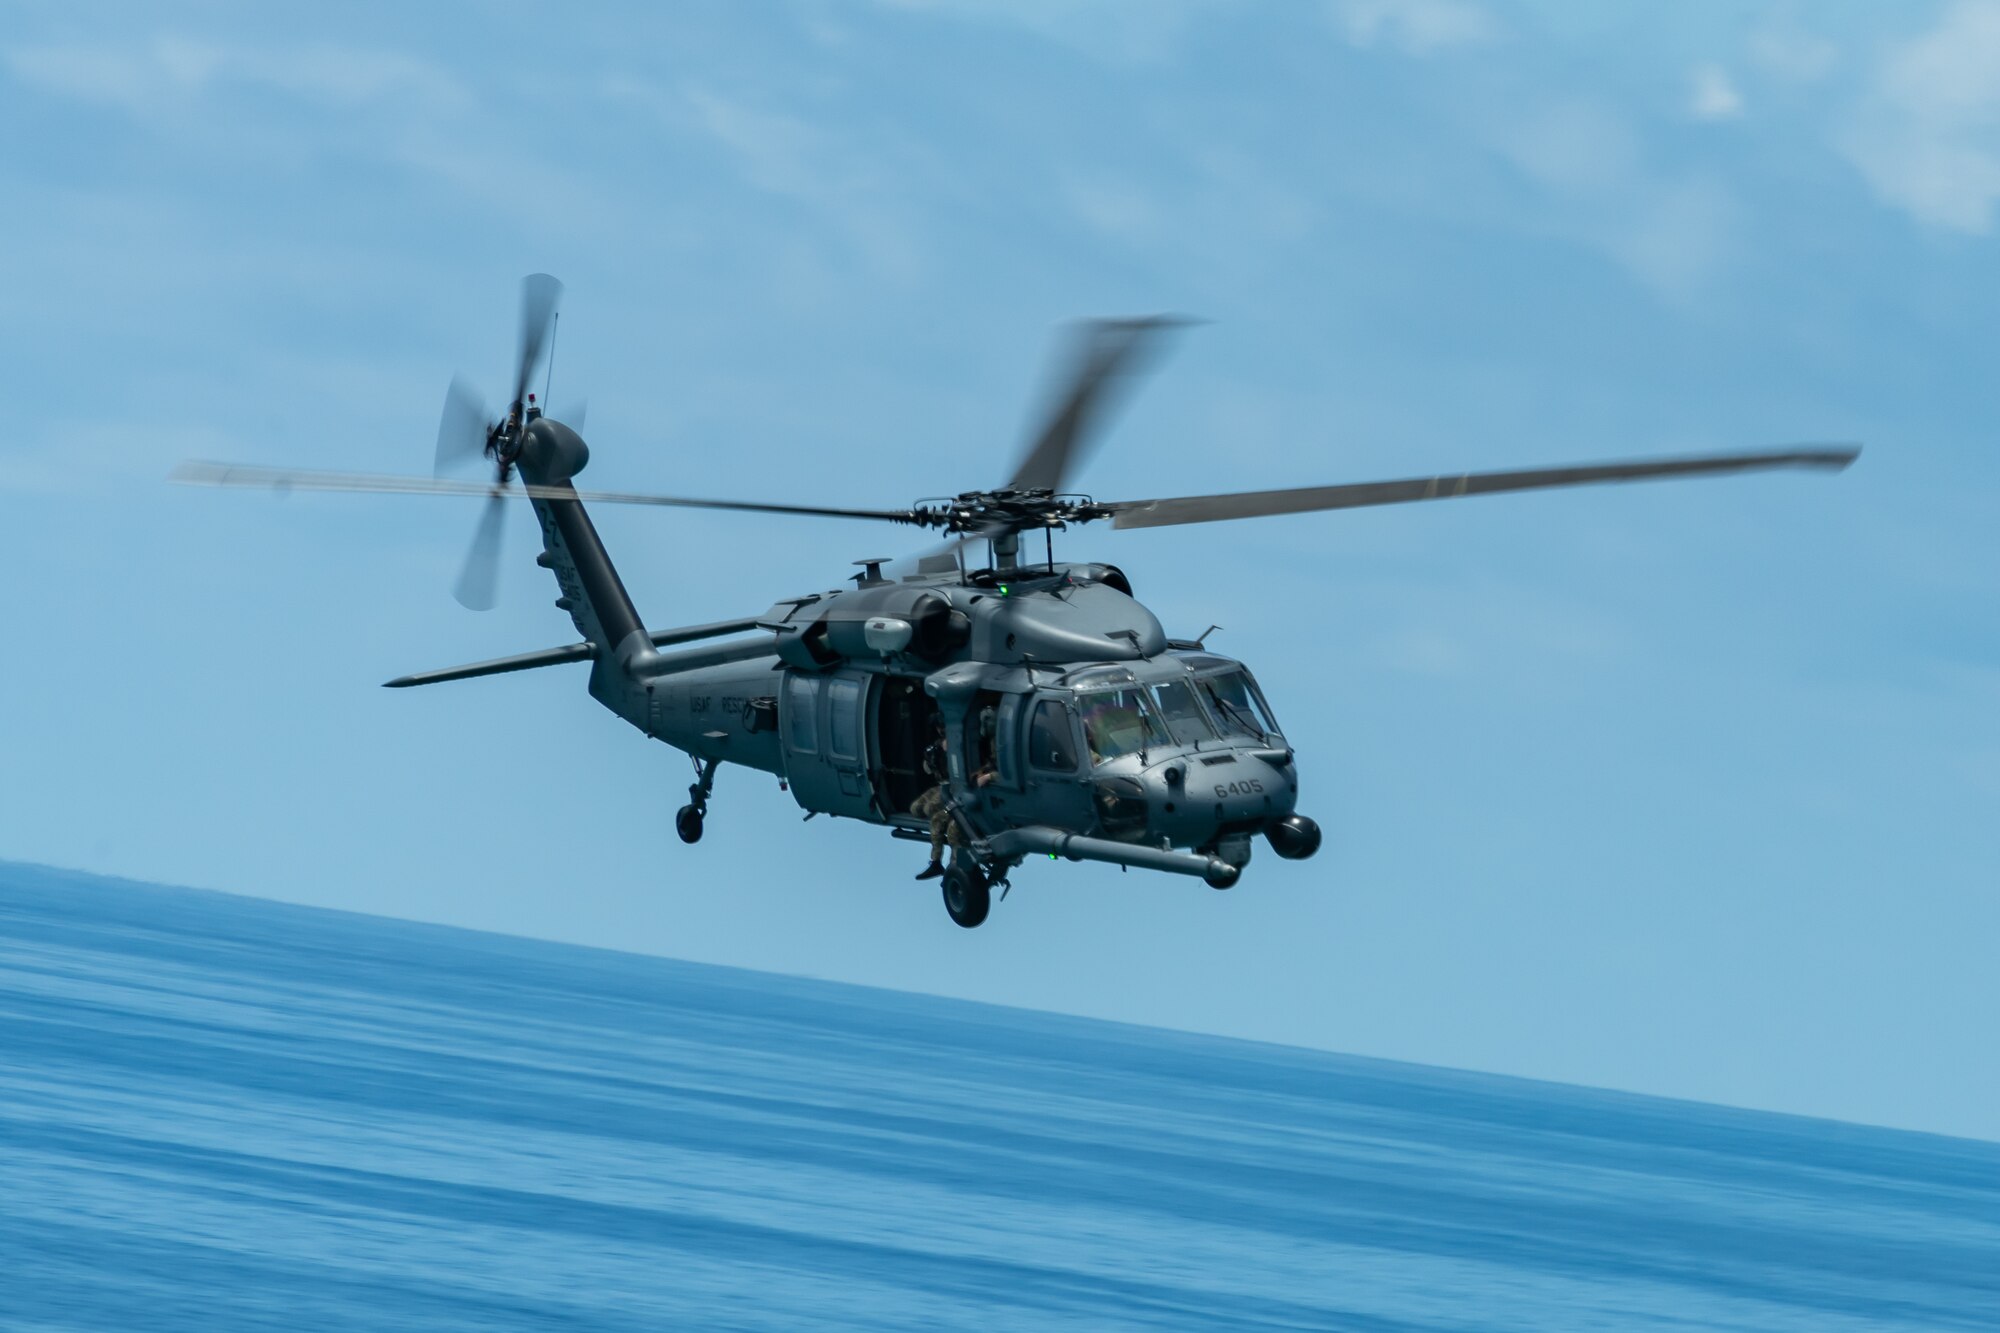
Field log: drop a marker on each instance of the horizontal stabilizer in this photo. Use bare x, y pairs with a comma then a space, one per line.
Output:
575, 652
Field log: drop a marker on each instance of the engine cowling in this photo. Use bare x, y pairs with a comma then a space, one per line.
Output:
936, 629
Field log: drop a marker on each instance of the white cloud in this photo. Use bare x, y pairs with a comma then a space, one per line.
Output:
214, 101
1113, 208
1118, 31
1712, 95
1416, 26
1793, 55
1673, 232
144, 77
1574, 145
779, 153
1224, 214
1928, 136
1678, 234
872, 193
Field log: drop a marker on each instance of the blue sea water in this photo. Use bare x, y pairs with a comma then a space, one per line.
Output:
220, 1112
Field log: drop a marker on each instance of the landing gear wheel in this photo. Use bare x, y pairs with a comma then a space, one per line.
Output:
966, 895
688, 824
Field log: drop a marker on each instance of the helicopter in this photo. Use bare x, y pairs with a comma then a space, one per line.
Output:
1072, 726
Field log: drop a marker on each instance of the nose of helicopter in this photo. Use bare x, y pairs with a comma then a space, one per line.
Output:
1204, 797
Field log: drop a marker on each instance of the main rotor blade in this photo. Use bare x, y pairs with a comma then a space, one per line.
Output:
478, 583
198, 472
1304, 499
461, 427
539, 295
1103, 358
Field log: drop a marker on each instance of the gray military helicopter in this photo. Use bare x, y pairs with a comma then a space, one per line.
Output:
1076, 728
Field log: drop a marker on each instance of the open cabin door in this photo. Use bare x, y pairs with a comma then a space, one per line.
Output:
903, 718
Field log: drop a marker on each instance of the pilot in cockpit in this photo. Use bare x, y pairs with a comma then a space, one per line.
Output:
1113, 725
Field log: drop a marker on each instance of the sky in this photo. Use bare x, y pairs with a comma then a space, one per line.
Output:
1689, 789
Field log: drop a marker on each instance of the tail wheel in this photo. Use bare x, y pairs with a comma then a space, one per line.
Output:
688, 824
966, 895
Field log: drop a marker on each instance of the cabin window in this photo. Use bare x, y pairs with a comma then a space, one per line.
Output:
801, 717
1119, 722
1051, 742
843, 718
1183, 712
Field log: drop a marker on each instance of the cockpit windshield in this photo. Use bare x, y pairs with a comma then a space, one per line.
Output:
1120, 721
1183, 712
1238, 706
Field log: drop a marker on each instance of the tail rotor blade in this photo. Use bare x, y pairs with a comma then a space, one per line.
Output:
479, 582
540, 294
461, 427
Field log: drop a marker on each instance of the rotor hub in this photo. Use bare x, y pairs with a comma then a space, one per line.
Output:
1006, 510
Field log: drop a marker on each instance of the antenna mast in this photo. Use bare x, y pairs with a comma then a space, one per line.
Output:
549, 376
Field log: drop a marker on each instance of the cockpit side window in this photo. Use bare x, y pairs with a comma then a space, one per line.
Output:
1238, 706
1119, 722
1051, 742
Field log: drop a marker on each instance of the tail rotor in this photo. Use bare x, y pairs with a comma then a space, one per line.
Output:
478, 586
467, 435
463, 428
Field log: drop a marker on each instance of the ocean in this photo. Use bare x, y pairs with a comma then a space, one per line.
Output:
220, 1112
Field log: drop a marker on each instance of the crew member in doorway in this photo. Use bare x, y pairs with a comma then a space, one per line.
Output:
931, 805
935, 805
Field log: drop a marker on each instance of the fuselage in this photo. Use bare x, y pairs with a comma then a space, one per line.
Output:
1062, 701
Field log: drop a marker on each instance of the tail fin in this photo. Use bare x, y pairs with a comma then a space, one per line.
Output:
592, 592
